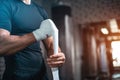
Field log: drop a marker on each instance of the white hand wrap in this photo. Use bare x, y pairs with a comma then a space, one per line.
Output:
47, 28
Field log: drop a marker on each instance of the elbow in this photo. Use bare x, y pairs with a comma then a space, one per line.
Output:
2, 53
4, 34
5, 53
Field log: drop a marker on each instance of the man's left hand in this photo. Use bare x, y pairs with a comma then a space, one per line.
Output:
56, 60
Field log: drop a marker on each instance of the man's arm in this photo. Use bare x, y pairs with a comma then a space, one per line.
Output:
9, 44
48, 43
54, 60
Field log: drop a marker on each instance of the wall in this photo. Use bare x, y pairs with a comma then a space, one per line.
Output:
86, 11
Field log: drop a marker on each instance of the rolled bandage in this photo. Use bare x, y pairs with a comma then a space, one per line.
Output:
55, 35
47, 28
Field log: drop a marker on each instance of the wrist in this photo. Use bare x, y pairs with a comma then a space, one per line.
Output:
38, 35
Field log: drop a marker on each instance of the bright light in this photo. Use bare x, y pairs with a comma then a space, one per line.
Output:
116, 53
113, 25
113, 38
104, 31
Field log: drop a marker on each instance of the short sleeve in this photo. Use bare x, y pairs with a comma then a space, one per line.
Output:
5, 18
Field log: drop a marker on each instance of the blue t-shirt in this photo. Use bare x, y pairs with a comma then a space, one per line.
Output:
20, 18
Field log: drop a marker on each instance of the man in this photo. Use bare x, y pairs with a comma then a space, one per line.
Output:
19, 40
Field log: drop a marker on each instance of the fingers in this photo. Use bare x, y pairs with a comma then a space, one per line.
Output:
60, 54
55, 64
56, 60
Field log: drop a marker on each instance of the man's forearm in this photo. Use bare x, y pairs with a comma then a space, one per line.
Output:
9, 44
49, 46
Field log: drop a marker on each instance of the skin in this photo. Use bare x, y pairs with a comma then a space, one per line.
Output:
27, 1
54, 60
10, 44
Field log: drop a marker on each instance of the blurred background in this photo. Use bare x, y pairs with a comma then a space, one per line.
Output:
89, 37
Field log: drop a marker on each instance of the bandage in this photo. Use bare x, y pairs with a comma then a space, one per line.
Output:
47, 28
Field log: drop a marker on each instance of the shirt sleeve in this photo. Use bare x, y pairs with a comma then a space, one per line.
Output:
5, 16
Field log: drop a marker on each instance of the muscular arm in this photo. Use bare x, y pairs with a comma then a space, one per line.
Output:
49, 46
9, 44
54, 60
